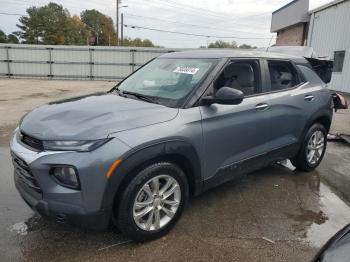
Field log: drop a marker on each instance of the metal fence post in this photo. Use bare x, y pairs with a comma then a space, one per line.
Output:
91, 64
132, 59
8, 61
50, 62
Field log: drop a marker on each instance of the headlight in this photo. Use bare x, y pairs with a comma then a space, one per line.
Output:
66, 176
81, 146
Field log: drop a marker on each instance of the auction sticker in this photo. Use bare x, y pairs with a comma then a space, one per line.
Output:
186, 70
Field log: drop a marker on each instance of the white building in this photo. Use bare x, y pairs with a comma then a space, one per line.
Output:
329, 36
327, 31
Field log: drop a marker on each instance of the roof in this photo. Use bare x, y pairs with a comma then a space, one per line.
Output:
325, 6
293, 13
304, 51
285, 6
227, 53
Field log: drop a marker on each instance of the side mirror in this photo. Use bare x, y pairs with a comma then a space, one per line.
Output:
225, 96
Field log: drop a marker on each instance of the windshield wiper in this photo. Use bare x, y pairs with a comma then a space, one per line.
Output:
149, 99
119, 92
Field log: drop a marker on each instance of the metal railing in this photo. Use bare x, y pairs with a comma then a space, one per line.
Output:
73, 62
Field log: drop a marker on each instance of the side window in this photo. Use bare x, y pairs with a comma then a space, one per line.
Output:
241, 75
283, 75
338, 61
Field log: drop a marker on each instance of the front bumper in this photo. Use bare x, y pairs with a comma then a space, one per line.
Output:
65, 213
84, 207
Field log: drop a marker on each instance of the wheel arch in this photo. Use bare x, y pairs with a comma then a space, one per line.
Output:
324, 120
180, 153
323, 117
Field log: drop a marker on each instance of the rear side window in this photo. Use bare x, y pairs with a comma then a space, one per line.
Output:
283, 75
310, 75
338, 61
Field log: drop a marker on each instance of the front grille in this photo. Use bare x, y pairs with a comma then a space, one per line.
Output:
24, 174
32, 142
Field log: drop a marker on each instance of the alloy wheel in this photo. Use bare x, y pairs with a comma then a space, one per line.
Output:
315, 147
156, 203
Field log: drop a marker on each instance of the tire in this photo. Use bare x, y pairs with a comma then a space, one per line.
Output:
141, 188
301, 161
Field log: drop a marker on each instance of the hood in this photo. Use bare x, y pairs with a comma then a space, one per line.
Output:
92, 117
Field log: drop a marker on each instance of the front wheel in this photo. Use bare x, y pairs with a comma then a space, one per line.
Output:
312, 149
152, 202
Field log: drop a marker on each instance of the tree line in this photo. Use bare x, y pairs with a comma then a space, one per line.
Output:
233, 44
52, 24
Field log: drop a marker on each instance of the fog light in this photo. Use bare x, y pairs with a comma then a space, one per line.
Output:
66, 176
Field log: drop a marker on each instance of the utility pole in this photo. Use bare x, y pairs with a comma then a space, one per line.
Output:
117, 20
122, 30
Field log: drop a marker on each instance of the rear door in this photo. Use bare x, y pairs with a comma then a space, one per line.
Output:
290, 101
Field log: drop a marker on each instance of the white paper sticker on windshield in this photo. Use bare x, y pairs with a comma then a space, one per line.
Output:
186, 70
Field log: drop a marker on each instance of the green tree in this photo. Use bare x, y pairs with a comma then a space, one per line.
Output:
100, 26
12, 39
222, 44
78, 33
3, 37
138, 42
50, 24
245, 46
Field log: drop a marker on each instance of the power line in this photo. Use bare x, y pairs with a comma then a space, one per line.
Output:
37, 4
197, 8
217, 14
1, 13
191, 34
203, 11
186, 24
182, 8
215, 18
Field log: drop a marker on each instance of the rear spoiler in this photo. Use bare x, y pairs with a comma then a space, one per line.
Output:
321, 65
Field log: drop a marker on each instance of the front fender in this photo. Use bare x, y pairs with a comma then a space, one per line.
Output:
138, 157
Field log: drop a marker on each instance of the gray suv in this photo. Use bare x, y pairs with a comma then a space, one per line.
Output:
181, 124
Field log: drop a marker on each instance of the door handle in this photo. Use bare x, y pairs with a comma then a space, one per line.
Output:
261, 107
309, 97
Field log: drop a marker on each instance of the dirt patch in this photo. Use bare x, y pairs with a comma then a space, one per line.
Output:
5, 133
16, 101
311, 216
36, 95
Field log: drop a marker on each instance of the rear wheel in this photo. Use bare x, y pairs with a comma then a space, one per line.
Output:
312, 149
152, 202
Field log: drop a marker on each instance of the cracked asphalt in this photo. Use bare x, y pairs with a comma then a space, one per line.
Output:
275, 214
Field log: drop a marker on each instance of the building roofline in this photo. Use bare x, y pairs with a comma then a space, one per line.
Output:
290, 26
285, 6
325, 6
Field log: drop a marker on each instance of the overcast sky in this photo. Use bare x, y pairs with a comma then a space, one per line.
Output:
248, 19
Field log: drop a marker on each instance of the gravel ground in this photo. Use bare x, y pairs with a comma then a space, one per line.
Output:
22, 95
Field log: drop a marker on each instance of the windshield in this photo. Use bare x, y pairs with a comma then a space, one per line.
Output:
168, 80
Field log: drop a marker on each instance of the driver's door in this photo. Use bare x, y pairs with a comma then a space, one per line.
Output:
235, 135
